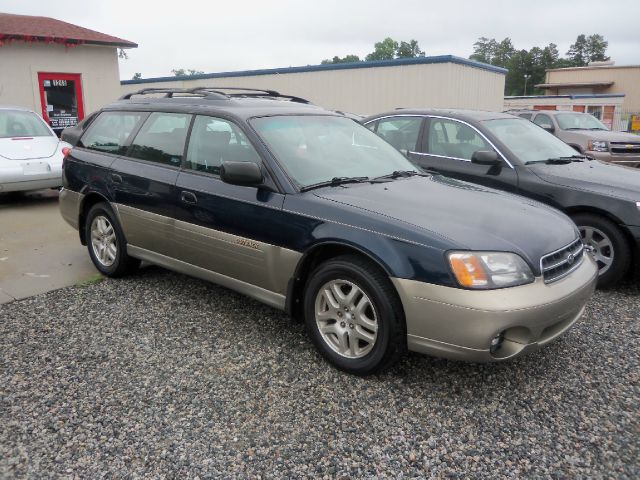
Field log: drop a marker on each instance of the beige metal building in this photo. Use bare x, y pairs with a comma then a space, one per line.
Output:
366, 87
57, 69
597, 78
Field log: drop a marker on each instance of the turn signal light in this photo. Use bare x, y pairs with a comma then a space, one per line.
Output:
468, 270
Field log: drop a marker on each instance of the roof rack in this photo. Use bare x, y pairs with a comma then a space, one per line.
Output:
215, 93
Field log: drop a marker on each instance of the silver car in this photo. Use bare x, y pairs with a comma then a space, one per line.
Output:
30, 153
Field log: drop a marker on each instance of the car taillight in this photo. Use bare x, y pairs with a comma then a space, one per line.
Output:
66, 151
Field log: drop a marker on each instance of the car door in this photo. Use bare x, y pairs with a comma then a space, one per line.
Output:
403, 132
447, 147
226, 228
143, 181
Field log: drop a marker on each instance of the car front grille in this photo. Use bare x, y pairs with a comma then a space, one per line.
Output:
559, 264
625, 147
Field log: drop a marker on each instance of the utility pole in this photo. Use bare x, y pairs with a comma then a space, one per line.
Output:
526, 77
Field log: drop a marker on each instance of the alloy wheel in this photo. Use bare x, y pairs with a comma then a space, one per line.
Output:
346, 318
103, 240
600, 246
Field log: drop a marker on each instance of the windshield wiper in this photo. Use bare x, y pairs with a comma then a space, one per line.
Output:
399, 174
334, 182
559, 160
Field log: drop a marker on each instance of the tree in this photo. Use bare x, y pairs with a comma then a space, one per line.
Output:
484, 50
345, 59
384, 50
409, 50
181, 72
136, 76
578, 52
597, 48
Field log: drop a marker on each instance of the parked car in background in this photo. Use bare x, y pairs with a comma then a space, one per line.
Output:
310, 212
30, 153
508, 153
587, 135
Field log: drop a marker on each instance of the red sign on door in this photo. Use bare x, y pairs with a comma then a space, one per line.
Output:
61, 99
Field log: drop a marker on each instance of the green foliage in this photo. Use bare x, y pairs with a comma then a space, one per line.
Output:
181, 72
345, 59
384, 50
588, 49
536, 61
387, 49
409, 49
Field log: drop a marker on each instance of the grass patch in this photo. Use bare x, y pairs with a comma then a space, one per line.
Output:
92, 280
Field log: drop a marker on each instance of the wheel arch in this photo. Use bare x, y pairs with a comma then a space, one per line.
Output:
89, 200
313, 257
574, 210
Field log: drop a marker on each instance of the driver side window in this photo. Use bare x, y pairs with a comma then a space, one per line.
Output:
448, 138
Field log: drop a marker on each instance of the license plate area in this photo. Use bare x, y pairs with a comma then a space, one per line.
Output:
35, 168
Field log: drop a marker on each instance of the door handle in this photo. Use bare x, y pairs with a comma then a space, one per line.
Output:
188, 197
115, 178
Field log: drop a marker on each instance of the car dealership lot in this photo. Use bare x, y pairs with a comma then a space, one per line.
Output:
160, 374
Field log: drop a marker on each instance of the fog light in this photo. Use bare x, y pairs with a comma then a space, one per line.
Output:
496, 342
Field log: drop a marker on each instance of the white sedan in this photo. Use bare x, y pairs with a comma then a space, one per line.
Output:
30, 153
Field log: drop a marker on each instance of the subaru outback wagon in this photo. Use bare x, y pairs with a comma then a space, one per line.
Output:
312, 213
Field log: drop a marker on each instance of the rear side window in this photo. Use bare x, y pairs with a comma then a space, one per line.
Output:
110, 131
525, 115
448, 138
161, 139
213, 141
401, 132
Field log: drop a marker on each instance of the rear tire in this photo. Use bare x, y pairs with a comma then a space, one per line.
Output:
612, 251
106, 243
354, 316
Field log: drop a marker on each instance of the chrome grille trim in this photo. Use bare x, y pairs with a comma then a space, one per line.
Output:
556, 265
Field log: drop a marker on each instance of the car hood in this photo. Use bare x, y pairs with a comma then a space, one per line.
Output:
605, 135
25, 148
467, 215
593, 176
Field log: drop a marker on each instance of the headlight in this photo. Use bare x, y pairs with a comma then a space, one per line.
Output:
487, 270
598, 146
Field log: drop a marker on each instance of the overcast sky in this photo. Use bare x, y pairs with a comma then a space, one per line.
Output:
216, 36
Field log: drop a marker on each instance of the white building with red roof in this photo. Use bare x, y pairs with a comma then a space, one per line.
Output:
60, 70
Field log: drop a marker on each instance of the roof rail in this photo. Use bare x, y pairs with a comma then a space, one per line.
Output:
217, 93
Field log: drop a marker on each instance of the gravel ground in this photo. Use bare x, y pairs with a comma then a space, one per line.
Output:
160, 375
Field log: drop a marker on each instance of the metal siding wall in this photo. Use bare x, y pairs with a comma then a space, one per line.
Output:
625, 80
370, 90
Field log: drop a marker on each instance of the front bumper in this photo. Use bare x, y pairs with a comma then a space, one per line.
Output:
459, 324
618, 159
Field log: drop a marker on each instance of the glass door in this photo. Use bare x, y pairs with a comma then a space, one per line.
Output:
61, 99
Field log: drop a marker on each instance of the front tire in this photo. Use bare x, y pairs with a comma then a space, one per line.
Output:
353, 315
106, 242
610, 248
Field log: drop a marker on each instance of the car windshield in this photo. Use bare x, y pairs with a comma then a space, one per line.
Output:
527, 141
314, 149
579, 121
19, 123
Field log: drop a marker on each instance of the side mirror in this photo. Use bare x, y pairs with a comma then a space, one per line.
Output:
241, 173
485, 157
